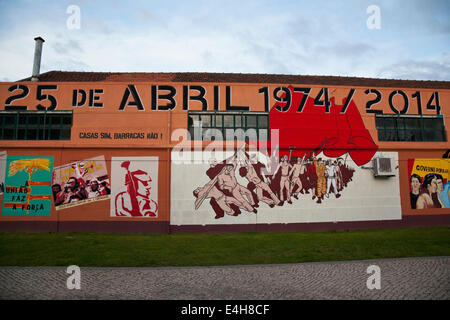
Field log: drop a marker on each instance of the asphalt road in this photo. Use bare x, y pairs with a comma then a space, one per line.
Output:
399, 279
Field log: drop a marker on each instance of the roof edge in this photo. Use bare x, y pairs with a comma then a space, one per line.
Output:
88, 76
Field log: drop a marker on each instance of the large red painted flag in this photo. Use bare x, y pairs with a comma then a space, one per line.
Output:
318, 128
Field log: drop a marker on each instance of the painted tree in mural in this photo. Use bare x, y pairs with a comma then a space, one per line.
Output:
30, 166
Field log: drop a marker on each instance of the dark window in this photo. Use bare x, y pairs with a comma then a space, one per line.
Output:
409, 128
220, 122
238, 121
228, 121
251, 121
35, 125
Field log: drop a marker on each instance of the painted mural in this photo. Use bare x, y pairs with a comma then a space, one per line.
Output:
246, 187
429, 183
316, 164
134, 187
292, 178
80, 182
27, 186
3, 155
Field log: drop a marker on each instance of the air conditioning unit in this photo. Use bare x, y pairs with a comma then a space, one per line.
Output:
383, 167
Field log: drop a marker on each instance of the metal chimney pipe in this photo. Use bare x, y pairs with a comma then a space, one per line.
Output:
37, 58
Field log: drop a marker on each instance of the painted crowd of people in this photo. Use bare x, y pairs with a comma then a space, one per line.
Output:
79, 187
429, 191
291, 178
76, 190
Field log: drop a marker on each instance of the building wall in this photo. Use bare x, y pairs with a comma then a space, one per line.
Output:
139, 119
364, 198
96, 215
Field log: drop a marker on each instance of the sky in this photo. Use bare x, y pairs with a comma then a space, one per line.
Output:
376, 39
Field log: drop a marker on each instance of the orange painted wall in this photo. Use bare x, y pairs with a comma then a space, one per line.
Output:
99, 210
110, 119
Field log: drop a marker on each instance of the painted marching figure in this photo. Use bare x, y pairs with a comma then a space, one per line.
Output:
311, 178
248, 171
339, 178
331, 179
212, 172
271, 165
321, 180
227, 181
285, 166
224, 202
136, 201
298, 170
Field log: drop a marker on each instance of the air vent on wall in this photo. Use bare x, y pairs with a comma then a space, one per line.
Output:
383, 167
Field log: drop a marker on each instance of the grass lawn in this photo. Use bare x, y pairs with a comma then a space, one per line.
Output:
120, 250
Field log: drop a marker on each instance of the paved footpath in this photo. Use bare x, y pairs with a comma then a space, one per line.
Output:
407, 278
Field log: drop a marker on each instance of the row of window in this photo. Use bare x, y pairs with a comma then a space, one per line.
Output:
389, 127
57, 125
221, 122
410, 128
35, 125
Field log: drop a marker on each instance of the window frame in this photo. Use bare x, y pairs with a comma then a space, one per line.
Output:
243, 116
44, 127
400, 131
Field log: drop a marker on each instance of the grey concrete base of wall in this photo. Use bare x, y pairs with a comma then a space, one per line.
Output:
166, 228
406, 222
